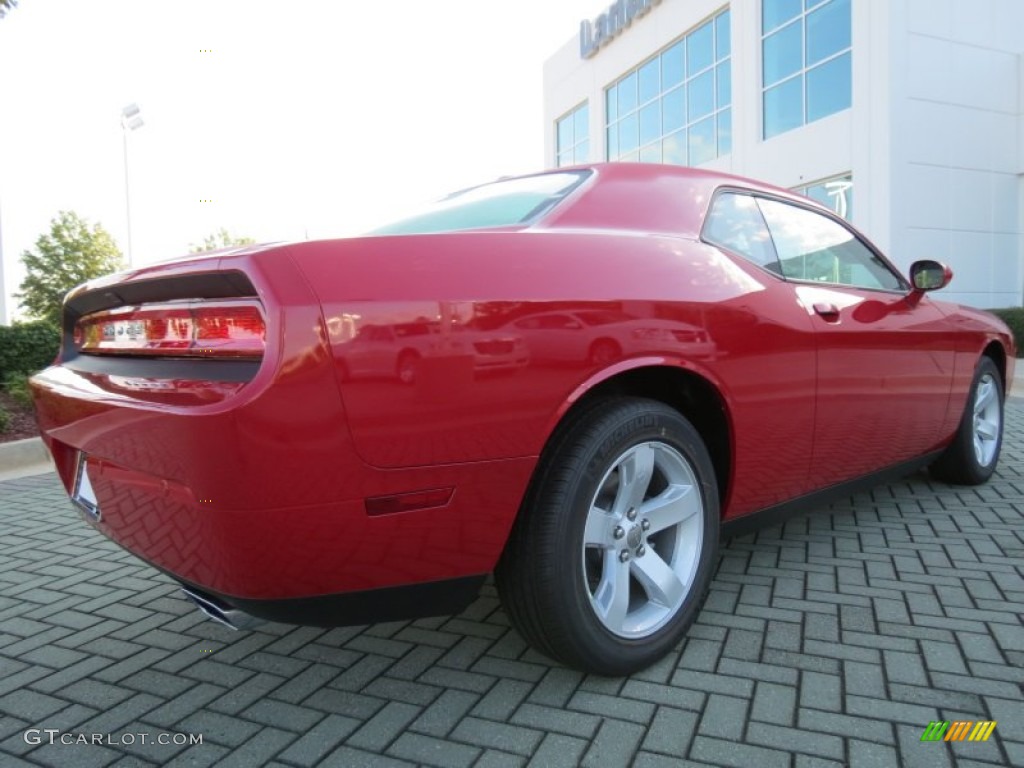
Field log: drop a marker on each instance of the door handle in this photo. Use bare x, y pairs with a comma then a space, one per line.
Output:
828, 311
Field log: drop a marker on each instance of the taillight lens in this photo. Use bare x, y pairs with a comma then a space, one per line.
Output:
194, 329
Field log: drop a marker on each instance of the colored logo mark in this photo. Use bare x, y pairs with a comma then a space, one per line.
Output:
960, 730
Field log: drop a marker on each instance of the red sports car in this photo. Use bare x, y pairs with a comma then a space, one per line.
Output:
205, 414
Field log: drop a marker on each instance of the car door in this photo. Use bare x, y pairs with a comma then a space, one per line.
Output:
885, 361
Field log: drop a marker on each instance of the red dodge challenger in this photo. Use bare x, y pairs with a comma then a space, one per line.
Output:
358, 430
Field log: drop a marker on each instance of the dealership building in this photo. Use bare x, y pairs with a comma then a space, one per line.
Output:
904, 116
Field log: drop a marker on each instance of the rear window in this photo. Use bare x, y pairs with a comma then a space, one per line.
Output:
499, 204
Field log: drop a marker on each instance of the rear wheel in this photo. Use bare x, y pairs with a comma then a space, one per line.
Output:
972, 456
614, 549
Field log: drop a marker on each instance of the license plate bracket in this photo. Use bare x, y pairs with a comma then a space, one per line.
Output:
82, 494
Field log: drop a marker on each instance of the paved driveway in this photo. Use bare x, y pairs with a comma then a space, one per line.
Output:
833, 640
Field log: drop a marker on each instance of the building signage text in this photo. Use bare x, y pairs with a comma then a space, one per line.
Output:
610, 24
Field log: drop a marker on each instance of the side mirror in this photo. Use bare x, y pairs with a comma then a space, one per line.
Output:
929, 276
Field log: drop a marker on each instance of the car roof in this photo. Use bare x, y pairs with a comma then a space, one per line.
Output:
648, 197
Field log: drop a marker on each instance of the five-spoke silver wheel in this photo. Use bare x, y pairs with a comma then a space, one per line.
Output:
988, 419
973, 454
613, 553
642, 539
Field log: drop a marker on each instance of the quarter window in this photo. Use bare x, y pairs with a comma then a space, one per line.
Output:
806, 61
572, 136
735, 222
813, 247
676, 107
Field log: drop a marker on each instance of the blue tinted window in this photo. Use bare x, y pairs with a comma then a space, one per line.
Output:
725, 132
701, 94
828, 31
582, 154
650, 122
502, 203
627, 94
806, 61
581, 120
723, 44
778, 12
673, 67
783, 107
651, 153
565, 133
571, 134
828, 88
629, 137
700, 49
652, 110
723, 79
783, 53
836, 194
650, 81
673, 110
673, 148
702, 142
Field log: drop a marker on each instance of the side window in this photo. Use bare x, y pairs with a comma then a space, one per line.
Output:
735, 222
815, 248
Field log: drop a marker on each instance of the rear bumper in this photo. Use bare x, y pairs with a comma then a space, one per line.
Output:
294, 563
436, 598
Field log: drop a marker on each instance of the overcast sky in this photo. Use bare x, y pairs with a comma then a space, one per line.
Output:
309, 117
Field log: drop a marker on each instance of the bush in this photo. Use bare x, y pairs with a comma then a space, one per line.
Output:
1013, 317
16, 384
5, 420
27, 347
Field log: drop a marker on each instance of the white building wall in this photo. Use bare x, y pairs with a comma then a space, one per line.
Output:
934, 138
958, 148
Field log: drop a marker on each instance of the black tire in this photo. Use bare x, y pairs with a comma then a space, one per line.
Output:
965, 461
552, 585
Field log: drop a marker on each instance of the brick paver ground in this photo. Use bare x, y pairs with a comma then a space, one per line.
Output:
832, 640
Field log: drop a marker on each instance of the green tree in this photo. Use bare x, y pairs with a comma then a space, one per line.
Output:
72, 252
221, 239
7, 5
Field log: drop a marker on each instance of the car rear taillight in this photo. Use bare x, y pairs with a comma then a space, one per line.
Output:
182, 328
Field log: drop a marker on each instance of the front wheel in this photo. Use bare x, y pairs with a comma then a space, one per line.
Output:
972, 456
614, 549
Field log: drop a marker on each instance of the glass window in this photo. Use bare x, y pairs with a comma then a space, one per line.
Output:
572, 134
815, 248
650, 123
725, 132
806, 62
735, 222
783, 107
650, 81
783, 53
836, 194
778, 12
673, 111
700, 49
499, 204
828, 88
828, 31
672, 66
675, 107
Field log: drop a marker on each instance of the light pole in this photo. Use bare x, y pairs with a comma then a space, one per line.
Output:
130, 121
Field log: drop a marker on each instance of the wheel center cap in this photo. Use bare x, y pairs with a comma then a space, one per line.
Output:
635, 537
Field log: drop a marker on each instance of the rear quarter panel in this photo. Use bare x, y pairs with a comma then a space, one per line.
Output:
757, 349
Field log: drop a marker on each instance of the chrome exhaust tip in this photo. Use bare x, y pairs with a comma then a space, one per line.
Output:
221, 612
